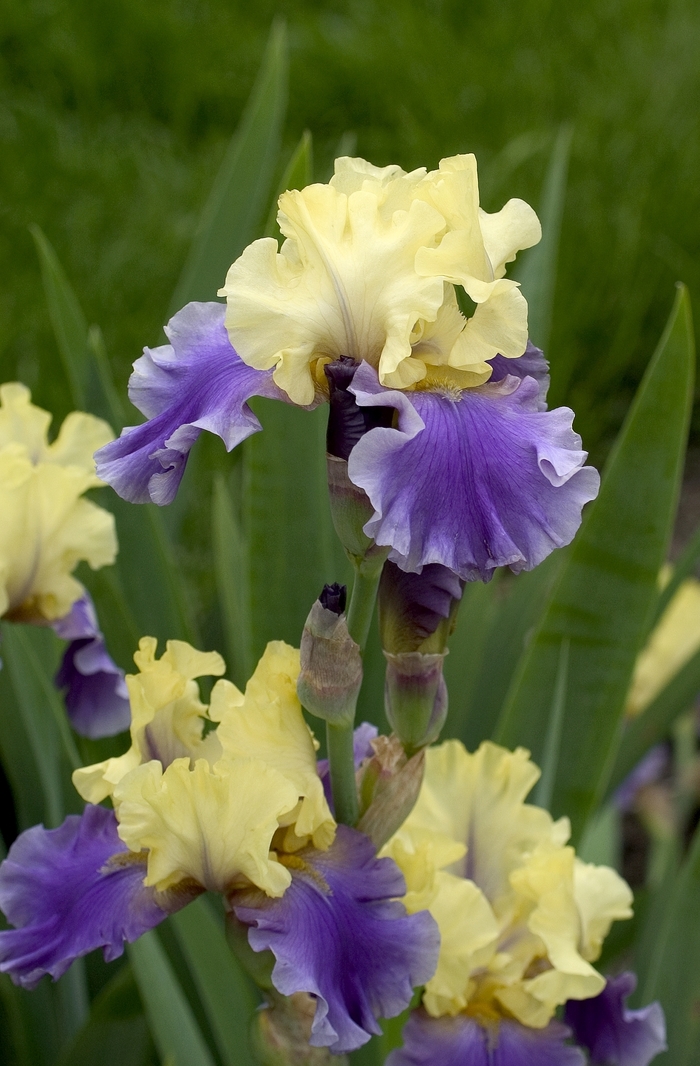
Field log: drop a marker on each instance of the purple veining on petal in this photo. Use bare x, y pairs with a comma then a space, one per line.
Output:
531, 364
646, 772
462, 1041
97, 699
71, 890
196, 382
339, 934
613, 1034
473, 480
362, 749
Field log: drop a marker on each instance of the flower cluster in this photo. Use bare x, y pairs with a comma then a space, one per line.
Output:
239, 810
391, 865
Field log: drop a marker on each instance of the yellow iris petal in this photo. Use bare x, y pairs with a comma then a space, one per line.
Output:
211, 825
47, 528
167, 715
267, 724
521, 919
367, 270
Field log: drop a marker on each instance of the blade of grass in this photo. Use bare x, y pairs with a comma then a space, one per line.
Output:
544, 789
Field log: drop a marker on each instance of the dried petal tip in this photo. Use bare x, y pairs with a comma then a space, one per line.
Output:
281, 1033
334, 598
331, 665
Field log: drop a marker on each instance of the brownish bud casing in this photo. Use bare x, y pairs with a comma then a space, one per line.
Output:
331, 667
389, 783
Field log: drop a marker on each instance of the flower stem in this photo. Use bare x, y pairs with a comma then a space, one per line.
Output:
361, 608
339, 740
339, 737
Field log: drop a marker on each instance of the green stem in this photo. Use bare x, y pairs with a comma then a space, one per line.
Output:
361, 608
339, 739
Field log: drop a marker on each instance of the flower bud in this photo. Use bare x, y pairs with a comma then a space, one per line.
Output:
331, 665
415, 697
347, 423
417, 612
389, 783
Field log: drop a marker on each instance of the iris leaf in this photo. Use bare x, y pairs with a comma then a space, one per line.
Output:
241, 189
227, 995
607, 589
297, 174
67, 319
538, 270
231, 569
116, 1033
654, 722
674, 972
170, 1016
287, 521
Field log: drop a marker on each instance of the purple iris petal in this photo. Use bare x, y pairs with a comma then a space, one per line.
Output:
338, 934
71, 890
472, 480
196, 382
613, 1034
362, 749
462, 1041
531, 364
97, 699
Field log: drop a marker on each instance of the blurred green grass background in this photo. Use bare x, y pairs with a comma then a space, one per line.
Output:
114, 118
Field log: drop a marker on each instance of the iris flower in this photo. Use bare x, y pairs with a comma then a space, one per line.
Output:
239, 810
522, 920
467, 469
47, 528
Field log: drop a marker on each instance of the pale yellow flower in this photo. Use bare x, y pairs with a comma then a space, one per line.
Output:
521, 918
219, 807
675, 639
368, 270
47, 528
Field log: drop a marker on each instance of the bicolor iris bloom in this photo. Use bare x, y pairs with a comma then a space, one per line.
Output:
47, 526
239, 809
466, 468
522, 919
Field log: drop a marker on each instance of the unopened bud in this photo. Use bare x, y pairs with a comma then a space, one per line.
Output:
331, 665
417, 612
389, 784
415, 697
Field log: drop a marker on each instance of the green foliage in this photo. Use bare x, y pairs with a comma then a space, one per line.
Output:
607, 589
118, 119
